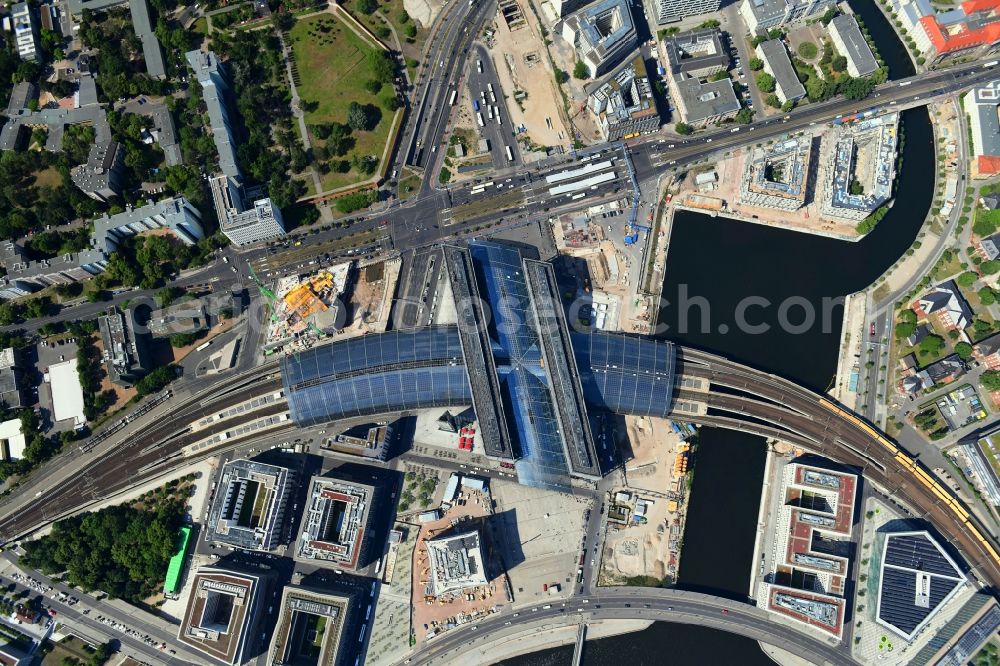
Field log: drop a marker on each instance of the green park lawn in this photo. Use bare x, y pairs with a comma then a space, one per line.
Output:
333, 66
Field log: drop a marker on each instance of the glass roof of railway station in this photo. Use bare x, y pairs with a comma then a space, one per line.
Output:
415, 369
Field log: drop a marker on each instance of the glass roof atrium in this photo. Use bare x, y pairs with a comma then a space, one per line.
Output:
511, 357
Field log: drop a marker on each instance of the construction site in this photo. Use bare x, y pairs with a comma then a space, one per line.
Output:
646, 516
824, 181
344, 299
455, 580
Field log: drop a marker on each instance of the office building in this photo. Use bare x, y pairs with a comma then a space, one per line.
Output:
858, 168
983, 107
334, 523
850, 43
917, 578
603, 34
222, 614
25, 24
456, 564
777, 176
762, 15
691, 57
182, 318
697, 53
103, 175
310, 627
126, 346
970, 30
624, 105
669, 11
260, 222
249, 506
777, 63
242, 224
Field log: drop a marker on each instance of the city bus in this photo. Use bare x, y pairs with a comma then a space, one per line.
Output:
479, 119
510, 155
454, 95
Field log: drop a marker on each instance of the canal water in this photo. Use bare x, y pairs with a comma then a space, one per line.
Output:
723, 262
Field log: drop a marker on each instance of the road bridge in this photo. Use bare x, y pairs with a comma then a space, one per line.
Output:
634, 603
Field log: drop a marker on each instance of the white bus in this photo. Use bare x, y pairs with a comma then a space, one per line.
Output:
489, 111
496, 114
203, 346
510, 155
577, 196
454, 94
479, 66
477, 190
479, 119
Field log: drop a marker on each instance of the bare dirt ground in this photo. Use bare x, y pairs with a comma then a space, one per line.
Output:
646, 549
521, 64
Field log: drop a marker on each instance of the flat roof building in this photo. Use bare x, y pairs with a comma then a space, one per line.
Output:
777, 63
334, 523
222, 613
669, 11
691, 57
972, 28
186, 317
249, 505
12, 440
260, 222
696, 53
211, 74
777, 176
309, 628
25, 31
456, 564
126, 346
762, 15
177, 215
603, 34
858, 168
624, 105
851, 44
917, 577
12, 381
67, 394
983, 107
103, 175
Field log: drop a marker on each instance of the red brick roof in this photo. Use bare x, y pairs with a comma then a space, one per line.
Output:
963, 38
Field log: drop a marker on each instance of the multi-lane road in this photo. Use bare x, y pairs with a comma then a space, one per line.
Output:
668, 605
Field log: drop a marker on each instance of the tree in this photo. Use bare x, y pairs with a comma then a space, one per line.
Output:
990, 380
788, 105
773, 101
756, 64
183, 339
683, 128
907, 315
744, 116
721, 75
367, 6
830, 14
987, 296
990, 267
964, 350
765, 82
905, 329
580, 71
839, 63
856, 88
562, 76
373, 86
357, 117
808, 50
967, 279
710, 23
931, 345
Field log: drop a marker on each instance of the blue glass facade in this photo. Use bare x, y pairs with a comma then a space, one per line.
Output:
625, 374
377, 374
